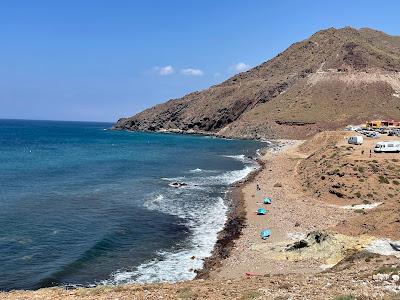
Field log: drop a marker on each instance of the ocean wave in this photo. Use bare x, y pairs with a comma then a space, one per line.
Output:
240, 157
203, 214
197, 170
173, 266
180, 178
226, 178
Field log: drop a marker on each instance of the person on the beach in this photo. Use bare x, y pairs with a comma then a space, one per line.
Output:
258, 187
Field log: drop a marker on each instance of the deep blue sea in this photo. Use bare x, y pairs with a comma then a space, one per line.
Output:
83, 205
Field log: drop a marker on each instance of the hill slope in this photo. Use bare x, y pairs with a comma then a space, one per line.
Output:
336, 77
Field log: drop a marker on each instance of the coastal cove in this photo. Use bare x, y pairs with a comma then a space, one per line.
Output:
99, 205
342, 260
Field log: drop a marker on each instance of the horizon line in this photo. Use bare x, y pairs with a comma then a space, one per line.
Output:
47, 120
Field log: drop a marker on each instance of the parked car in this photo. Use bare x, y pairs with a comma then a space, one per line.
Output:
373, 135
394, 132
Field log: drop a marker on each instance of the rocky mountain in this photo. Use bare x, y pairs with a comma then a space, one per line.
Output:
335, 77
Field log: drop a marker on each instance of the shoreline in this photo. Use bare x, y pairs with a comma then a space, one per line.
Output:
236, 221
198, 133
288, 218
236, 216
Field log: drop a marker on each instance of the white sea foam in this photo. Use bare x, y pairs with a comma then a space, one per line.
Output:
226, 178
234, 176
181, 178
197, 170
240, 157
204, 217
180, 265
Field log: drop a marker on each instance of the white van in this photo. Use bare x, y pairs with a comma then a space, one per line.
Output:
355, 140
392, 146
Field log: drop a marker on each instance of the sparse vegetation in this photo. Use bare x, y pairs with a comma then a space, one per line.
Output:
249, 295
388, 270
395, 182
358, 194
186, 293
344, 297
374, 168
383, 179
359, 211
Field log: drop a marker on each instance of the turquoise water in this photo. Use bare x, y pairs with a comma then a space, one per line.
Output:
82, 205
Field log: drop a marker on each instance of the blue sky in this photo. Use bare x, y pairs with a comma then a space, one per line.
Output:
100, 60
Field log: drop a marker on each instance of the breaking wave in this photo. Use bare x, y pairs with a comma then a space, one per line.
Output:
172, 266
204, 213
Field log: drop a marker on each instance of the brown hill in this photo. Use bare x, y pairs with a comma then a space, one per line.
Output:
336, 77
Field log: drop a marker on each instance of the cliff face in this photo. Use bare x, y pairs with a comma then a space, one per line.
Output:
336, 77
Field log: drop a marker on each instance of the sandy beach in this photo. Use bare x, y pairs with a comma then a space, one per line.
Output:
291, 215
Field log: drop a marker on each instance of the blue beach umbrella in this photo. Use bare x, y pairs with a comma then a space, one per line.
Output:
261, 211
267, 200
265, 234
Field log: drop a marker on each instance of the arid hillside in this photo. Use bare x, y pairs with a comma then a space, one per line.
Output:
336, 77
349, 175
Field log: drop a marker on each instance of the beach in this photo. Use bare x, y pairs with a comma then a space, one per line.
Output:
291, 215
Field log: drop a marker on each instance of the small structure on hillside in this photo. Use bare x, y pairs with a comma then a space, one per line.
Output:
382, 123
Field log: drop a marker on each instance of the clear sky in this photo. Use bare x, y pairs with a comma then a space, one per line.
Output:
100, 60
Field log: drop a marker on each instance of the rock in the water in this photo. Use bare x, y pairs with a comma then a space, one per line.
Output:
178, 184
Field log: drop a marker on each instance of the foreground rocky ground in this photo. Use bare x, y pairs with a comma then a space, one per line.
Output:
320, 243
354, 278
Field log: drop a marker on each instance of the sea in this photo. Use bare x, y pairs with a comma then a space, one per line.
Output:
83, 205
